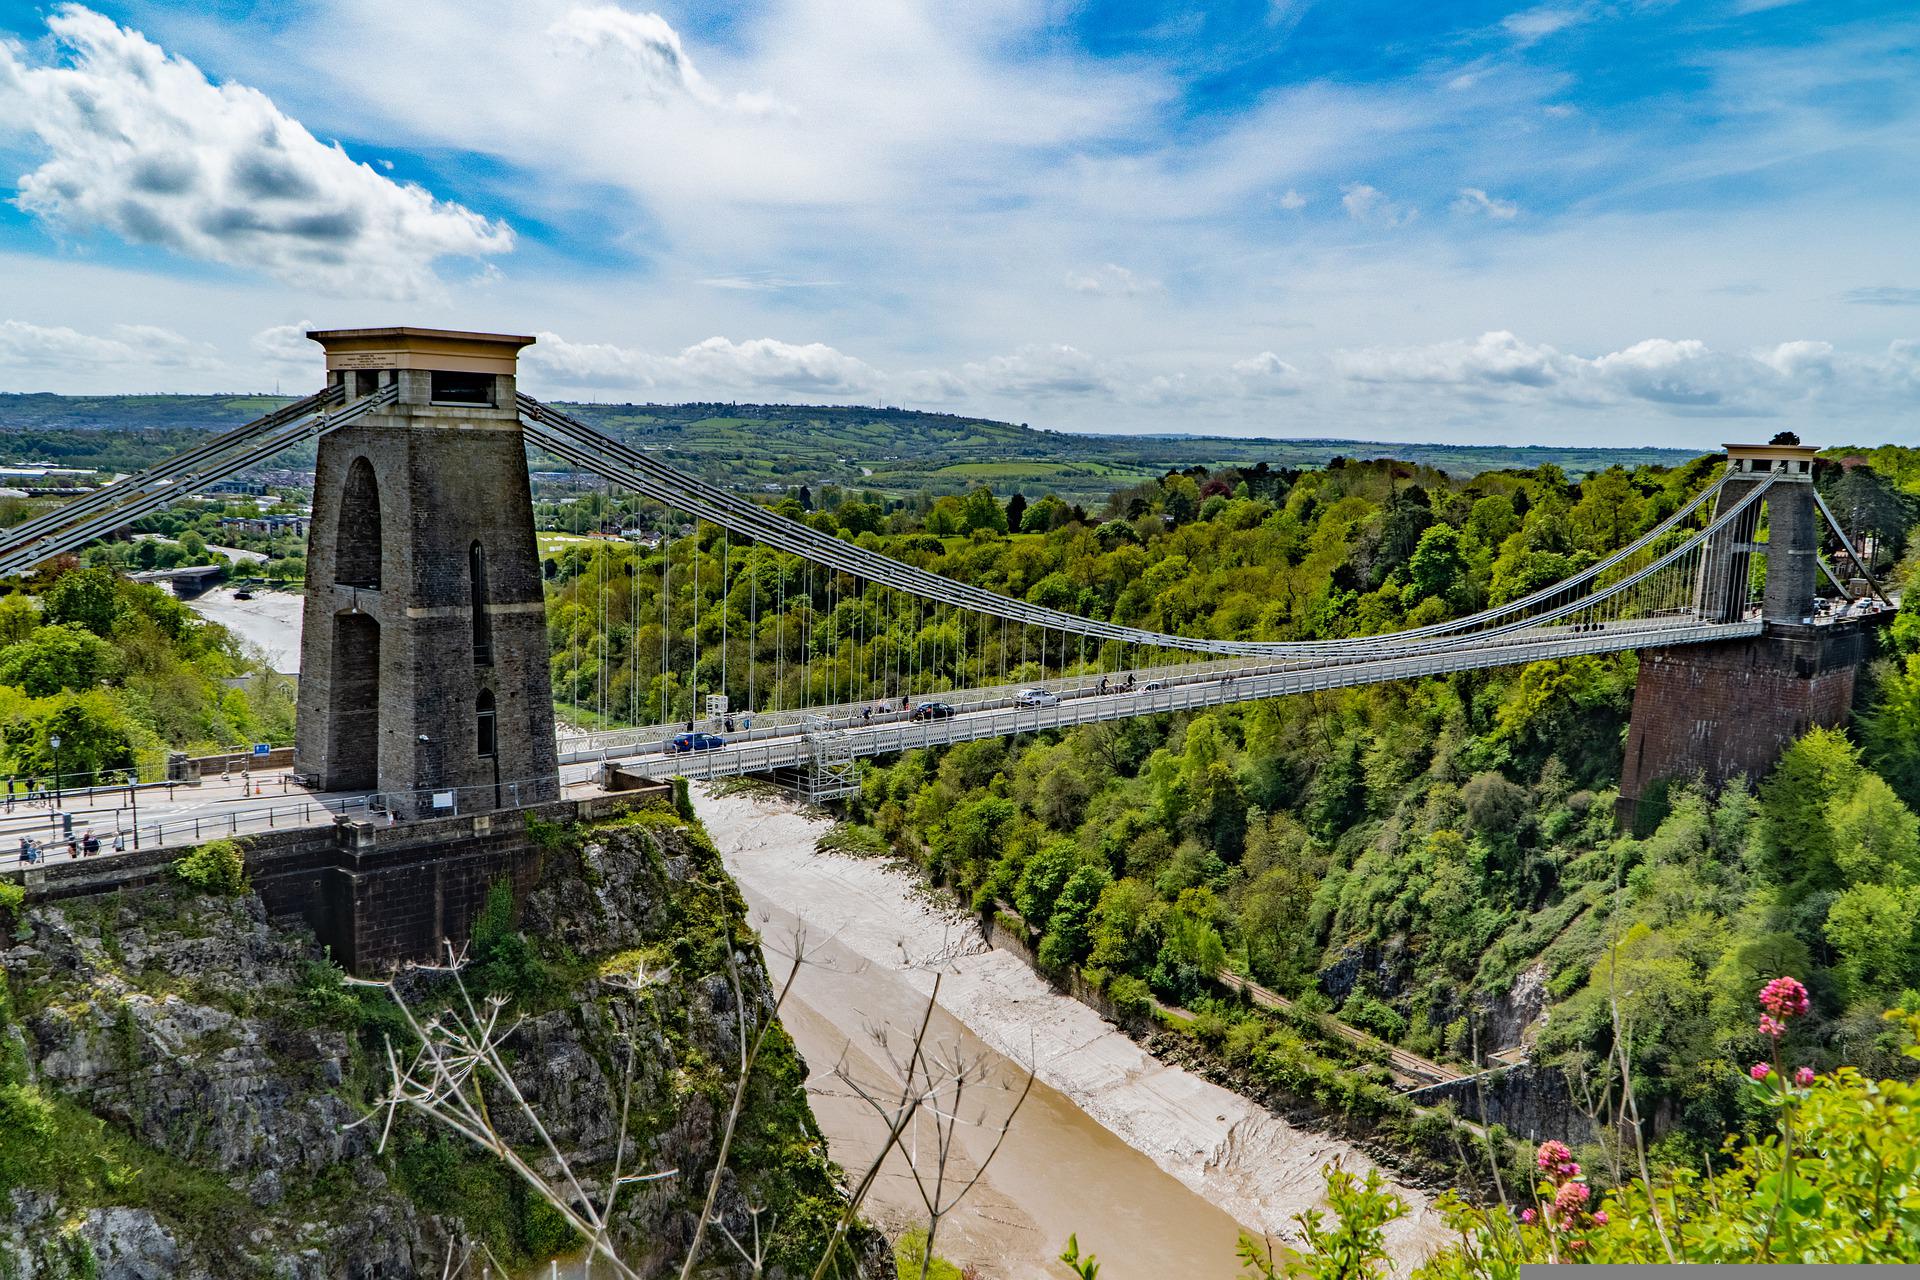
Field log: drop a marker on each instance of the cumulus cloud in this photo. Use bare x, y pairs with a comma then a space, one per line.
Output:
1110, 279
1292, 201
33, 346
141, 144
1365, 203
1685, 376
1040, 370
286, 344
1474, 200
647, 52
716, 367
1268, 374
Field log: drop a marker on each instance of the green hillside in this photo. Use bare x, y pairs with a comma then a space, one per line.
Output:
895, 451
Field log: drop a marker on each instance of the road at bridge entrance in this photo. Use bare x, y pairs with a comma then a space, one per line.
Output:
181, 815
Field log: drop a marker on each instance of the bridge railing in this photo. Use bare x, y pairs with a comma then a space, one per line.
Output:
117, 832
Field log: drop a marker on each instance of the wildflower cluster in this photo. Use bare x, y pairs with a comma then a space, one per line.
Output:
1781, 999
1563, 1192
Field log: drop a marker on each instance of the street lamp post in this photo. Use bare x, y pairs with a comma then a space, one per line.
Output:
54, 742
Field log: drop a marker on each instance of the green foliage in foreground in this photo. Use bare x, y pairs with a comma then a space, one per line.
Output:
216, 867
1837, 1181
910, 1260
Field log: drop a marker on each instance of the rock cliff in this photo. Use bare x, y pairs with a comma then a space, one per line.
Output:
180, 1077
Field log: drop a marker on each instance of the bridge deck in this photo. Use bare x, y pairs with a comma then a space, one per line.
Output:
993, 716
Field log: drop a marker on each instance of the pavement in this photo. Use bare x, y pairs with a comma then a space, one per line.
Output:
185, 814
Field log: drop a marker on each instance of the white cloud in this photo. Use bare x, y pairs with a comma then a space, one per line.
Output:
647, 54
1475, 200
1268, 374
1111, 280
1365, 203
763, 282
287, 344
142, 145
42, 347
1684, 376
1293, 200
718, 367
1883, 295
1041, 370
1530, 25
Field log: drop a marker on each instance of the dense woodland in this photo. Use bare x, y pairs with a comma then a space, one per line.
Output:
122, 672
1401, 855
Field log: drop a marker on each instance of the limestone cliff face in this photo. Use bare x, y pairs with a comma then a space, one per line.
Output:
179, 1078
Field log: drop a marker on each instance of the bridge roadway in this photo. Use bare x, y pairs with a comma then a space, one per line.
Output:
183, 815
990, 712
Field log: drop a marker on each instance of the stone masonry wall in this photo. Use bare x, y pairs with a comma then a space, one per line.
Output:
1729, 709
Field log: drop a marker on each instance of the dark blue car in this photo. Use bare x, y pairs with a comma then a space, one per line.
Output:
695, 742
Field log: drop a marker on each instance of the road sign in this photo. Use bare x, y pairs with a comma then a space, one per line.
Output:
261, 749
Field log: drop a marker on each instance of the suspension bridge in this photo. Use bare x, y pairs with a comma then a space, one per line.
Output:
426, 663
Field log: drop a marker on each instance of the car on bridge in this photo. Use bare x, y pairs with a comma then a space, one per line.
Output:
933, 711
681, 743
1036, 698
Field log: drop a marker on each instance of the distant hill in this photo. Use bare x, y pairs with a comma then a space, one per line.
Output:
750, 445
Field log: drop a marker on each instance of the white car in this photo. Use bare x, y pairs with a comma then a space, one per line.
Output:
1036, 698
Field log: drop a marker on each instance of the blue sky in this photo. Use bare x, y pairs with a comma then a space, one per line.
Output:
1581, 222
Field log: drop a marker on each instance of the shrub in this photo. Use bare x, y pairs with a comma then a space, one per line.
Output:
854, 839
1130, 996
13, 900
216, 867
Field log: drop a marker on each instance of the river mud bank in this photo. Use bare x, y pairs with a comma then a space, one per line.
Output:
1155, 1168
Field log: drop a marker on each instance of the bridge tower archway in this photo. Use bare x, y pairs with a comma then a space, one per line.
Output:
424, 596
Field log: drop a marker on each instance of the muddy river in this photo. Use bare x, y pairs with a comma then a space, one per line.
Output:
1155, 1169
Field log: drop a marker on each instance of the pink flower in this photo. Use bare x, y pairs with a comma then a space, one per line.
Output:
1553, 1154
1760, 1071
1600, 1217
1803, 1077
1769, 1027
1571, 1199
1526, 1215
1785, 998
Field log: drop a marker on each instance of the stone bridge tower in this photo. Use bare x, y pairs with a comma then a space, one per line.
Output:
1728, 709
423, 657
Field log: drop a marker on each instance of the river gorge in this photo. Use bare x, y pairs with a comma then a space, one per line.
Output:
1155, 1169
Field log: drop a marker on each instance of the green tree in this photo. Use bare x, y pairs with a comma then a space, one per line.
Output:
88, 598
1043, 879
1797, 839
979, 512
94, 735
55, 658
1875, 836
1872, 927
1438, 563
